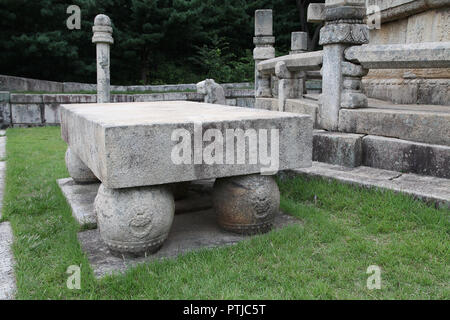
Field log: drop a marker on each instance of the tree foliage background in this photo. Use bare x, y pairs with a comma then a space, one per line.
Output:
156, 41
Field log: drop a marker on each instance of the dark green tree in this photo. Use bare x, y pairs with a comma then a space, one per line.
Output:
156, 41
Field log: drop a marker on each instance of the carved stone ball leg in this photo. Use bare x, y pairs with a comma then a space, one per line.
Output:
79, 172
246, 204
134, 221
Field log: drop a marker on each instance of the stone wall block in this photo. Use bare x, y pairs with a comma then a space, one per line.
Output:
51, 113
27, 113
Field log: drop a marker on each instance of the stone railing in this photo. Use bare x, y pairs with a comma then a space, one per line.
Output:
345, 59
399, 56
283, 77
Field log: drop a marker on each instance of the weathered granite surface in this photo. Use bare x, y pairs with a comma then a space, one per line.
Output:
246, 204
304, 106
407, 156
7, 278
114, 140
415, 90
343, 149
430, 189
330, 100
26, 114
213, 92
299, 42
316, 12
190, 232
263, 22
11, 83
81, 198
5, 109
267, 104
398, 9
264, 49
427, 124
415, 55
407, 22
294, 62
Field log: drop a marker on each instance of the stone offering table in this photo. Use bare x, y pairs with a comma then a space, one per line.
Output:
143, 152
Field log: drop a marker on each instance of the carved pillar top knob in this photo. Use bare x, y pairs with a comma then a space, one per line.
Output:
102, 30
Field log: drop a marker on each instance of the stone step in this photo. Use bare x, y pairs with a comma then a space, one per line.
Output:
352, 150
412, 122
406, 156
419, 123
337, 148
303, 106
430, 189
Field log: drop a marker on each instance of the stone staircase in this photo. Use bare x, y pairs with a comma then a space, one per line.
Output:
404, 138
383, 145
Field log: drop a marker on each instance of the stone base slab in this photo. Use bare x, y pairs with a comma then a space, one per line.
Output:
189, 232
420, 123
343, 149
406, 156
430, 189
7, 278
409, 91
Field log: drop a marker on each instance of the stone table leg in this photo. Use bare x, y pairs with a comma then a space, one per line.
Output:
134, 221
246, 204
79, 172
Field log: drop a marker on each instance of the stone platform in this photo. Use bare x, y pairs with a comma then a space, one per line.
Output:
194, 227
190, 232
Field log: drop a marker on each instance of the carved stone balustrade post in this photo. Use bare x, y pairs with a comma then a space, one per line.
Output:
264, 41
103, 39
290, 84
299, 42
341, 86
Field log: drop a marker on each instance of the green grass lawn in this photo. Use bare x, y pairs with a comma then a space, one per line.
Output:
344, 230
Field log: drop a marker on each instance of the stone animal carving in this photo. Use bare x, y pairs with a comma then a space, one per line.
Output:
214, 93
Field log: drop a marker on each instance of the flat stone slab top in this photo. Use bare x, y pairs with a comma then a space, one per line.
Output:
190, 232
135, 144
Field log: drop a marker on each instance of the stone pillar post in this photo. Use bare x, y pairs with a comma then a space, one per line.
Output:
264, 41
299, 42
344, 27
103, 39
290, 84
